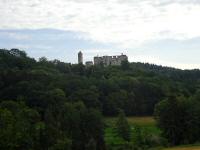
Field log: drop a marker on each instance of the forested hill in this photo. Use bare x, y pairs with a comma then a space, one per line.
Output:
133, 87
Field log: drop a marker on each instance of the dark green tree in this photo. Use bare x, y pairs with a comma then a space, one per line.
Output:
179, 119
22, 123
7, 130
169, 118
125, 65
122, 126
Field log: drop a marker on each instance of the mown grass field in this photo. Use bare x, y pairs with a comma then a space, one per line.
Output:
141, 121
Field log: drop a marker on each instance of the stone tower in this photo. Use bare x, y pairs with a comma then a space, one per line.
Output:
80, 57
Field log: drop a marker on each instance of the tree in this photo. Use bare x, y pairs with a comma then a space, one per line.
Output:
169, 118
59, 100
122, 126
125, 65
18, 125
92, 137
7, 128
18, 53
62, 145
88, 96
179, 119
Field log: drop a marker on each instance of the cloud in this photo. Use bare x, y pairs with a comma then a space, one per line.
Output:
54, 44
158, 31
127, 23
64, 45
183, 54
14, 36
164, 62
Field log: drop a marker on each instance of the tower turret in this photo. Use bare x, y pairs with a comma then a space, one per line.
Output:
80, 57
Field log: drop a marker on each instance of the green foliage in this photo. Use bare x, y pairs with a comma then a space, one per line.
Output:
179, 119
18, 126
125, 65
53, 102
144, 134
132, 87
64, 144
7, 121
122, 126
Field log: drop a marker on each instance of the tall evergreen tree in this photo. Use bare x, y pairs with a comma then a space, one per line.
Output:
122, 126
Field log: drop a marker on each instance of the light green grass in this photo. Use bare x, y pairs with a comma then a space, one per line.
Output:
185, 147
147, 124
141, 121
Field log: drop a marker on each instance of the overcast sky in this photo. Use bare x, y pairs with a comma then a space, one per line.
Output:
165, 32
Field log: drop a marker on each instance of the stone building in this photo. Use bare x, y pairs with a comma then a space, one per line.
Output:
88, 63
110, 60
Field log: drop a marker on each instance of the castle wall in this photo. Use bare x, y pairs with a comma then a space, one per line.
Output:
110, 60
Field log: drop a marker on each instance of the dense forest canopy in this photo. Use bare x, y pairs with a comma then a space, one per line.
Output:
133, 87
42, 97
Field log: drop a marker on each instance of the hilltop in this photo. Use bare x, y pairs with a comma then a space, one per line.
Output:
134, 87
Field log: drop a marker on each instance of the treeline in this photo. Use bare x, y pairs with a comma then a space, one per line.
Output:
132, 87
55, 105
179, 119
63, 126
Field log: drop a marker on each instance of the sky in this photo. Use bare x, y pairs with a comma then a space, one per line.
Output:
163, 32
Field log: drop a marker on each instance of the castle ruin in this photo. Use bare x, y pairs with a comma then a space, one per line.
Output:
110, 60
80, 57
104, 60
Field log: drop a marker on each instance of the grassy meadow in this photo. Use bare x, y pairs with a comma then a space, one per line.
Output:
141, 121
147, 126
187, 147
